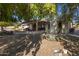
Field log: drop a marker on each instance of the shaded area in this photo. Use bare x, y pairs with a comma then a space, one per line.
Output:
35, 43
71, 43
11, 43
20, 44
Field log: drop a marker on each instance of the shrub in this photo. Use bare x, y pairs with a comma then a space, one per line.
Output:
4, 24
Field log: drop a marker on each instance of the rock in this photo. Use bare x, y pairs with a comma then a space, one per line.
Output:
60, 52
55, 51
65, 51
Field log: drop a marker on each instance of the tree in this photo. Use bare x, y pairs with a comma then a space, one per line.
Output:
67, 14
41, 10
23, 10
5, 14
26, 11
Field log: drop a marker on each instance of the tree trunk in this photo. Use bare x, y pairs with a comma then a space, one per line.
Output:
46, 28
59, 27
2, 29
37, 26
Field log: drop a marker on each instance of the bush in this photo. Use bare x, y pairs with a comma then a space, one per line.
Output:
4, 24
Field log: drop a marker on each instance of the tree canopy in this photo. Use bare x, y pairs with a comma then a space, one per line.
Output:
26, 11
35, 11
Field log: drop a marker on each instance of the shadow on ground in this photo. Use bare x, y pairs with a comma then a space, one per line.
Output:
34, 44
71, 43
22, 44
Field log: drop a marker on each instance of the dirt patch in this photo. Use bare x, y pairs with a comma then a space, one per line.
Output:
47, 47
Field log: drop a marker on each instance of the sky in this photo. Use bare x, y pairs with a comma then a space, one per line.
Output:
59, 9
76, 13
